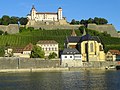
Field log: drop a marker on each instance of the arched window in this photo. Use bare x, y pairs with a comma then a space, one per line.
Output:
91, 47
100, 48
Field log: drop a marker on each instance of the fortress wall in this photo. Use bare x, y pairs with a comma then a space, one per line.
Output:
53, 27
110, 29
11, 28
3, 28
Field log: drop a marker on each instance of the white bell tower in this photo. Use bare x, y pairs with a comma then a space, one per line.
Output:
33, 13
60, 17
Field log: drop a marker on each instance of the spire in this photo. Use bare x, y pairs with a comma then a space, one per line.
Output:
84, 32
73, 33
33, 7
59, 8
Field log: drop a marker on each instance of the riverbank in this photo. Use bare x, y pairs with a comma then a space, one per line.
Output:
34, 70
48, 69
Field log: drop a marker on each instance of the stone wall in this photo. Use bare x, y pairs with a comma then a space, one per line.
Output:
22, 63
32, 63
11, 28
96, 64
110, 29
54, 27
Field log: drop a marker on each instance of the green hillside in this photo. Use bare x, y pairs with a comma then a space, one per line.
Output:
33, 36
29, 35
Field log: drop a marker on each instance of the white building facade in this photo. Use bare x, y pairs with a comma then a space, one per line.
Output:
48, 46
45, 16
71, 58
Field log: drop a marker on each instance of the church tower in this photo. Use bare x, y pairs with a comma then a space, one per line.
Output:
60, 13
33, 13
73, 33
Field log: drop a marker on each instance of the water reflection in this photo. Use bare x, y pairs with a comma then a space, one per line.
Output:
82, 80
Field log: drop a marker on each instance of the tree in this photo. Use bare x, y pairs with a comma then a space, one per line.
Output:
5, 20
73, 21
6, 33
37, 52
81, 28
52, 55
30, 29
14, 20
1, 32
90, 20
23, 21
2, 51
100, 21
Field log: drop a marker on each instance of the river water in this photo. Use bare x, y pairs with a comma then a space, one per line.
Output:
71, 80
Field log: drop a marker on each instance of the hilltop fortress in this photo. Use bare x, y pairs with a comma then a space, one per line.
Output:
55, 21
46, 17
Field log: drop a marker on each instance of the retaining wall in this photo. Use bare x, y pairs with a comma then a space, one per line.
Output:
34, 63
54, 27
22, 63
11, 28
110, 29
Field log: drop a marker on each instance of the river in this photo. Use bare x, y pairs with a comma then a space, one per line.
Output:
68, 80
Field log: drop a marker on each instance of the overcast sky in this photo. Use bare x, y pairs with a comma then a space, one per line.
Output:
72, 9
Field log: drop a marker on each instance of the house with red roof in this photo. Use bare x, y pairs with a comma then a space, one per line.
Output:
23, 52
113, 55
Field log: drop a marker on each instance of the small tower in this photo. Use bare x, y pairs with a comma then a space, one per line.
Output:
33, 13
60, 13
73, 33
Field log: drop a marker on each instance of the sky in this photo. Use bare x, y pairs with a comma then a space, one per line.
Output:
72, 9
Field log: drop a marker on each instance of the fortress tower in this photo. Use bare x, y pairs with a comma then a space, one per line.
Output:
60, 13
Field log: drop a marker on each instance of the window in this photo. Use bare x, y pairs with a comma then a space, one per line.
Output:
100, 48
65, 56
55, 49
52, 49
49, 49
46, 49
91, 47
70, 56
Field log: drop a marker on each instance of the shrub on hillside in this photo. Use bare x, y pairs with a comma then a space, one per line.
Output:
1, 32
52, 55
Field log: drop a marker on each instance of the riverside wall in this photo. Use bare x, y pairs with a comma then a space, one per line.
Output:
37, 63
24, 63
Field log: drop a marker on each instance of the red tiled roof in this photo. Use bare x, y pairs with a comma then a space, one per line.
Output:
46, 13
47, 42
29, 47
115, 52
21, 49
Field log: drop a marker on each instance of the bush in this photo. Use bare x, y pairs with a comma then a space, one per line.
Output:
52, 55
1, 32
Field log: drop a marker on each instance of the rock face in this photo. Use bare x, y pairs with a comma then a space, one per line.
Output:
110, 29
10, 29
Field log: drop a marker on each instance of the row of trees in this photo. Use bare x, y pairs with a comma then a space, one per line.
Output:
6, 20
96, 20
